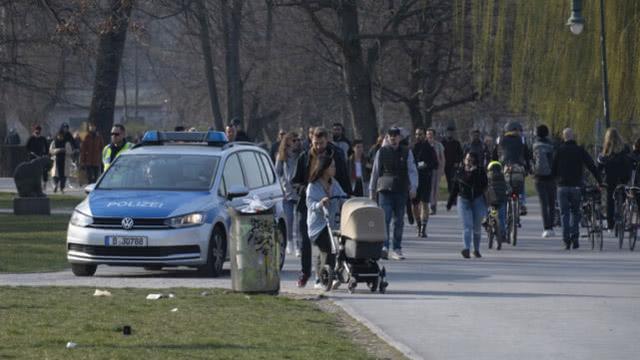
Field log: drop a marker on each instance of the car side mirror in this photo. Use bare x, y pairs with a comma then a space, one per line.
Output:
237, 191
89, 188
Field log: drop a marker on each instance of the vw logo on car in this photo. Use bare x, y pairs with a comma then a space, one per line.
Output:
127, 223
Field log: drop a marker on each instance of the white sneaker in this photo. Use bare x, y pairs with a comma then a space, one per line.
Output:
298, 253
289, 247
317, 284
335, 284
548, 233
397, 255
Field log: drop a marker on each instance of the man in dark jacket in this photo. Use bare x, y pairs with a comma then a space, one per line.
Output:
320, 145
37, 147
452, 156
568, 166
394, 176
477, 146
426, 162
542, 159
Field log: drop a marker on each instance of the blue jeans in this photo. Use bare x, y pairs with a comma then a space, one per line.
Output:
471, 212
393, 204
289, 213
569, 198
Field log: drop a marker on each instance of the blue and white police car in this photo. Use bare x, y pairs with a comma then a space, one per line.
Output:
166, 203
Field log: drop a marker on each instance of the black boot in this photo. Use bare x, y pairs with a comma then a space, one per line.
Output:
423, 231
419, 228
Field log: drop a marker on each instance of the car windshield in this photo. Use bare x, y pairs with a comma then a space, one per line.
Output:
161, 172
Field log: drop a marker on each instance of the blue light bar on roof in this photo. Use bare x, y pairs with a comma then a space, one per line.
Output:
155, 137
151, 136
217, 137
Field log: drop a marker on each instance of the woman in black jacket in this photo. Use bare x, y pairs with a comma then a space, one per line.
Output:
617, 166
468, 187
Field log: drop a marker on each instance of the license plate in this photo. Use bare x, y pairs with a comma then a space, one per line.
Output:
126, 241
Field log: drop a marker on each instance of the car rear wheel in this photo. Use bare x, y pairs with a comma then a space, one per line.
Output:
216, 254
83, 269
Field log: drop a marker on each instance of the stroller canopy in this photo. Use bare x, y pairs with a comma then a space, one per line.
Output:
362, 220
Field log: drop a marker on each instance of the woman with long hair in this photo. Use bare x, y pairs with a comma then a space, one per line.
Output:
468, 188
617, 166
286, 160
358, 172
61, 150
323, 193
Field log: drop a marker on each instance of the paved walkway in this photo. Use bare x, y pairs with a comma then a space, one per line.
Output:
536, 301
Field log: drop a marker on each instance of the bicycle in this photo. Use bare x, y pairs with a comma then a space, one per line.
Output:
632, 215
514, 175
592, 216
492, 227
627, 214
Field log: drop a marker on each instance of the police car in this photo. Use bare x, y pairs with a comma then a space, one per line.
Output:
166, 202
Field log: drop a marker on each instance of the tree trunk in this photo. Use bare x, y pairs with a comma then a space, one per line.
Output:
205, 42
110, 50
232, 20
357, 75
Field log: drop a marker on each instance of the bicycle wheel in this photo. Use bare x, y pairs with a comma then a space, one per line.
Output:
490, 235
623, 225
633, 225
600, 227
593, 225
515, 209
509, 220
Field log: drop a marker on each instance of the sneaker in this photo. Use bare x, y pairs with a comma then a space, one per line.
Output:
335, 284
289, 247
302, 280
523, 210
433, 210
397, 255
298, 254
317, 284
385, 253
548, 233
476, 253
465, 253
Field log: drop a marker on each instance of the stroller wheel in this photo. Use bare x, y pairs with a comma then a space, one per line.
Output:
373, 285
352, 285
326, 278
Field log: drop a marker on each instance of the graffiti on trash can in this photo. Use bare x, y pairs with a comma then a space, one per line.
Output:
260, 236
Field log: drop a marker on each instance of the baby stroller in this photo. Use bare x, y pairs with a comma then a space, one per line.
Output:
358, 246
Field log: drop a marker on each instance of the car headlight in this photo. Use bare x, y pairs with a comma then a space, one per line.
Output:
80, 219
193, 219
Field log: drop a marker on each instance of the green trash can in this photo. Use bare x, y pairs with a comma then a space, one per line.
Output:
255, 252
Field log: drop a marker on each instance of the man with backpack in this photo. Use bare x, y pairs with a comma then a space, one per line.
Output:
543, 152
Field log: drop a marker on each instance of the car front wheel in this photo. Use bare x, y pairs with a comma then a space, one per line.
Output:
216, 254
83, 269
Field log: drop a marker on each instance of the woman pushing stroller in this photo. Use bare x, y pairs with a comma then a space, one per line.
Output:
323, 192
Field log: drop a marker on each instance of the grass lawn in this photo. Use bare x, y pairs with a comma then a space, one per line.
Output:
58, 201
33, 243
37, 323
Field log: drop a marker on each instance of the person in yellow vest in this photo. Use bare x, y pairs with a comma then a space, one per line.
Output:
117, 145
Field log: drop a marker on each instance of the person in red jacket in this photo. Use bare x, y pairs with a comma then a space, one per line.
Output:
90, 154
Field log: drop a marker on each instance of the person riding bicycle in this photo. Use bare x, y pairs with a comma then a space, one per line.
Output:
617, 166
513, 153
496, 195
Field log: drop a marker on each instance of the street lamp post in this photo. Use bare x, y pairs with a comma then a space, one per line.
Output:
576, 25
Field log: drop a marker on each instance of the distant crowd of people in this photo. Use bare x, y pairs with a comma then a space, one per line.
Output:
400, 172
